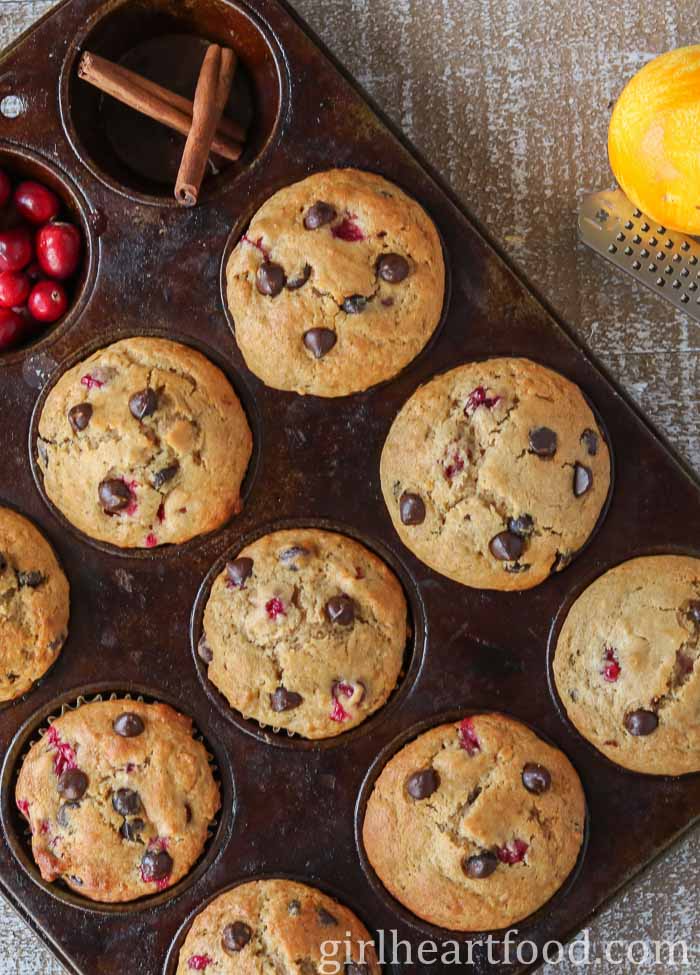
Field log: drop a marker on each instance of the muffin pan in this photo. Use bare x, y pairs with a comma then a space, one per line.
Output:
154, 268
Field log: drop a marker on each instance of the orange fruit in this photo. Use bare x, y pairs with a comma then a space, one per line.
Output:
654, 140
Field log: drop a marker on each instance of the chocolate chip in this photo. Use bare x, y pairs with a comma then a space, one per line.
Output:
294, 908
300, 280
522, 525
319, 215
641, 723
506, 546
204, 650
72, 783
239, 570
341, 610
129, 725
270, 279
143, 403
235, 936
63, 814
3, 562
320, 341
422, 784
536, 778
156, 865
79, 416
583, 479
114, 495
32, 579
411, 509
126, 802
290, 554
543, 441
589, 438
284, 700
693, 610
164, 475
188, 813
480, 866
131, 830
392, 268
326, 919
354, 305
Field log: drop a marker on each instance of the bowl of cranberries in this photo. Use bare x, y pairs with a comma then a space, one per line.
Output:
41, 259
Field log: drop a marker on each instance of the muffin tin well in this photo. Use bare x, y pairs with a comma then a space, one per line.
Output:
105, 339
162, 40
413, 654
22, 163
135, 615
16, 828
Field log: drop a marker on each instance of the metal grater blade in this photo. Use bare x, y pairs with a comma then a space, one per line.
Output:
665, 261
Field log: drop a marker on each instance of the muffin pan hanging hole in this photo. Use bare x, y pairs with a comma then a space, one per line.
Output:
16, 828
22, 164
414, 652
140, 157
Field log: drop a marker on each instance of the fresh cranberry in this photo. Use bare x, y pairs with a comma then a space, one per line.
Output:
48, 301
478, 398
199, 962
64, 758
151, 540
36, 203
16, 249
14, 289
5, 188
12, 327
513, 852
58, 247
468, 738
611, 667
275, 607
348, 230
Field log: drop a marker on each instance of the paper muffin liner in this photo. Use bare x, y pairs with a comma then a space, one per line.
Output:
75, 705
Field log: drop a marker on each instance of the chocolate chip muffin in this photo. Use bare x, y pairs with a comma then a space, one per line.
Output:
496, 473
475, 825
144, 443
305, 630
627, 664
337, 285
119, 797
33, 605
276, 926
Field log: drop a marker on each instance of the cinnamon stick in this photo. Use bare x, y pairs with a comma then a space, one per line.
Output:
213, 88
150, 99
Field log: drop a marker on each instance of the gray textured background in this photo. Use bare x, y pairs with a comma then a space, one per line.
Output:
510, 100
